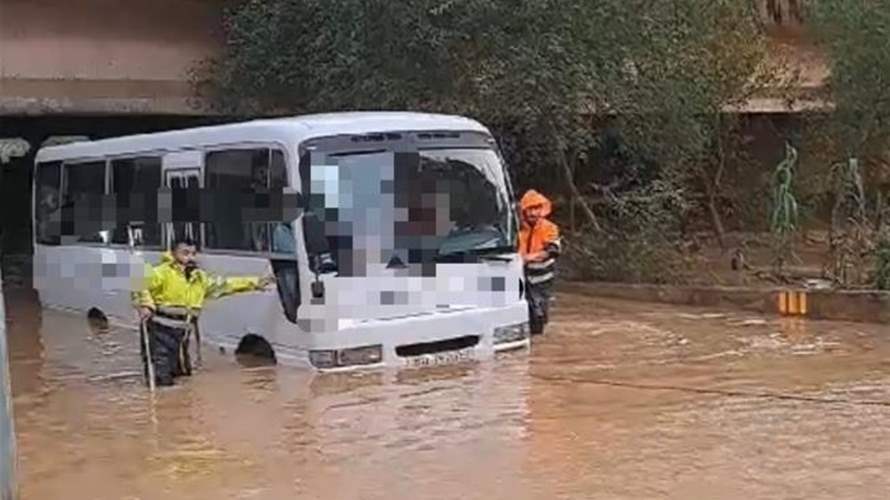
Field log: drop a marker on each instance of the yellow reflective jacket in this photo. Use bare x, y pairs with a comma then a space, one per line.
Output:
166, 286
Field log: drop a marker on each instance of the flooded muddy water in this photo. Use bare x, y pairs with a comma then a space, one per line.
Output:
616, 401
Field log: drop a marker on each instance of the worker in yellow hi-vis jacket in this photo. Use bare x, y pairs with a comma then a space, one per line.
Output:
173, 295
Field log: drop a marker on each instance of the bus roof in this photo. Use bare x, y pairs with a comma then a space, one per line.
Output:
289, 130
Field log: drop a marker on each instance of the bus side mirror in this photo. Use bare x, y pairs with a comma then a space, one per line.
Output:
321, 264
317, 289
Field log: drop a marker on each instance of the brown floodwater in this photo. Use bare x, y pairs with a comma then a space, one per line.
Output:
616, 401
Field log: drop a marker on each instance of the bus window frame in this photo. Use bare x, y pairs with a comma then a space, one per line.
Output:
35, 220
465, 139
289, 173
156, 154
64, 191
291, 180
160, 153
166, 237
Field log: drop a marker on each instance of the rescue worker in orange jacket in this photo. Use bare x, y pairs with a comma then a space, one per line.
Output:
539, 246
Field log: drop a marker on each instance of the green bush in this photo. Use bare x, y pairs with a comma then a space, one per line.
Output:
641, 241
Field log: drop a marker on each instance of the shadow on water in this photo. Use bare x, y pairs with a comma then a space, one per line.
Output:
251, 360
342, 383
435, 374
24, 321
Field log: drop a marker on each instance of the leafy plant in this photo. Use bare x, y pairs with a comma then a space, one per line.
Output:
850, 235
785, 213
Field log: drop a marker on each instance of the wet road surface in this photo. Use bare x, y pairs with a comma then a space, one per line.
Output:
616, 401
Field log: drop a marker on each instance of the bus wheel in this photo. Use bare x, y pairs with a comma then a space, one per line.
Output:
254, 350
97, 320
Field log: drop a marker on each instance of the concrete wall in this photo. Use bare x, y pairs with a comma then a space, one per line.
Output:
103, 56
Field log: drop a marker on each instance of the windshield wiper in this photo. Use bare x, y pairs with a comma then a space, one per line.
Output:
485, 253
497, 258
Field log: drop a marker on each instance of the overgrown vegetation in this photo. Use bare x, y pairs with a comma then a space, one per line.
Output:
640, 242
882, 276
852, 33
625, 110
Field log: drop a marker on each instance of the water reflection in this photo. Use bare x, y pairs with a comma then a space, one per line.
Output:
248, 361
26, 351
615, 401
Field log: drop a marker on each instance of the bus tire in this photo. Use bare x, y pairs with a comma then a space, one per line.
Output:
255, 345
97, 319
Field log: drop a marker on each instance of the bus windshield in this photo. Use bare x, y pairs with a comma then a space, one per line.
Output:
408, 210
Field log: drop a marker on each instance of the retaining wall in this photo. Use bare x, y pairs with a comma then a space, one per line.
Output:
856, 306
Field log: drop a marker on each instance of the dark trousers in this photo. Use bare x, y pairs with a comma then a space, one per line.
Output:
169, 353
538, 297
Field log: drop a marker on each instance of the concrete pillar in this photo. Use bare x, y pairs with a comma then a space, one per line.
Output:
7, 432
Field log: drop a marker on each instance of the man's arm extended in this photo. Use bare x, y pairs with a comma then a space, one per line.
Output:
217, 286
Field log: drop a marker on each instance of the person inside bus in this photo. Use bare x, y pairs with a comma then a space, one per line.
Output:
257, 233
49, 209
170, 301
539, 246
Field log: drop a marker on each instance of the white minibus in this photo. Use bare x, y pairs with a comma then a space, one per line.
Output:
393, 236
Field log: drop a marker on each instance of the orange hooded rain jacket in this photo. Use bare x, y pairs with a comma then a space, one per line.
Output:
543, 236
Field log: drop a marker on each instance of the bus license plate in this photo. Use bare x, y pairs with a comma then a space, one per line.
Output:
441, 358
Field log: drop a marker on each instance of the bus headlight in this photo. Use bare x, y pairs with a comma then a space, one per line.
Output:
511, 333
323, 359
354, 356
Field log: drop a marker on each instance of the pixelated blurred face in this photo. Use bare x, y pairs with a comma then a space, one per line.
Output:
185, 255
533, 214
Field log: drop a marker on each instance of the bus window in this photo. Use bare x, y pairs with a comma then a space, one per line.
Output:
135, 183
242, 175
185, 205
48, 203
84, 186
